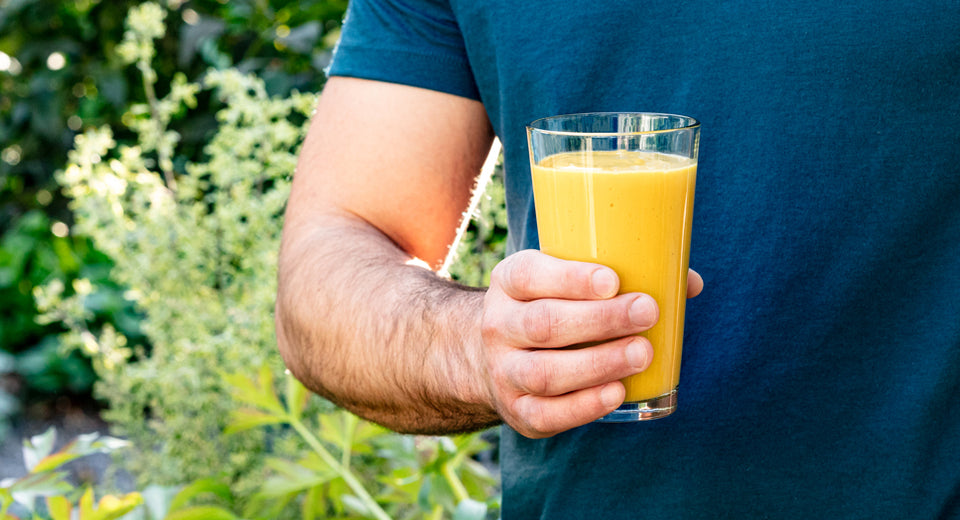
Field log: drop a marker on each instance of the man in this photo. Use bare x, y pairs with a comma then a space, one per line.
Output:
821, 369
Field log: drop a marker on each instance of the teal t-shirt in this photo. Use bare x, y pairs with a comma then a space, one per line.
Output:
821, 364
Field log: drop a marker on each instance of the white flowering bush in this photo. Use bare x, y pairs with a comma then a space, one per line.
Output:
195, 243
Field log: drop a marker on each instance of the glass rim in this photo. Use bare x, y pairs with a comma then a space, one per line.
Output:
691, 123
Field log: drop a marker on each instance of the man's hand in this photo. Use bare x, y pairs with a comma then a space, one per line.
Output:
535, 306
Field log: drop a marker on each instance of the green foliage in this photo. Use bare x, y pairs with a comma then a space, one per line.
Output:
356, 468
62, 72
45, 492
484, 241
193, 238
35, 251
197, 254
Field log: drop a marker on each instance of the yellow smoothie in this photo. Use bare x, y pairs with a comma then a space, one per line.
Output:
631, 211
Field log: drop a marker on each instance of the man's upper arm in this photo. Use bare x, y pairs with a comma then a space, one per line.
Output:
401, 158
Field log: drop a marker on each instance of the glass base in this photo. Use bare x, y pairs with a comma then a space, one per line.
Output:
654, 408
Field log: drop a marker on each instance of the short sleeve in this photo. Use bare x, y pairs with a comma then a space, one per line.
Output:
411, 42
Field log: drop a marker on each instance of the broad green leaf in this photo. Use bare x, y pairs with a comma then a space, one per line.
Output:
201, 487
403, 482
469, 509
365, 434
260, 507
6, 499
246, 419
336, 490
348, 432
296, 396
37, 447
436, 490
299, 470
475, 477
83, 445
59, 507
423, 496
331, 428
86, 504
257, 393
313, 506
202, 513
111, 507
40, 484
54, 461
277, 486
293, 478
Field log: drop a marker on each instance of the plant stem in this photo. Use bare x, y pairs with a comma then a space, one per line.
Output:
344, 473
350, 428
149, 78
450, 474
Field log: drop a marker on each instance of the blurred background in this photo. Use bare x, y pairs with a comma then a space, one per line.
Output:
105, 109
59, 74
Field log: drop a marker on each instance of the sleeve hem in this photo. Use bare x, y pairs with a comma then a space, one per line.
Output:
438, 72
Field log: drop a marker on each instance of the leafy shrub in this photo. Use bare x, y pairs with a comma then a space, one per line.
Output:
60, 74
34, 251
194, 241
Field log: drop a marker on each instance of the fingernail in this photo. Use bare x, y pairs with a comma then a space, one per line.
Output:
612, 395
638, 355
604, 283
643, 311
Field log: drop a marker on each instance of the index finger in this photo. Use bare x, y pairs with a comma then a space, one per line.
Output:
531, 275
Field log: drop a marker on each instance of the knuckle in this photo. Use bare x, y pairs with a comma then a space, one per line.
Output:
520, 275
499, 272
539, 323
490, 326
534, 418
532, 378
517, 273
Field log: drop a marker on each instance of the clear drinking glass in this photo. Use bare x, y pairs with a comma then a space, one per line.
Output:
617, 189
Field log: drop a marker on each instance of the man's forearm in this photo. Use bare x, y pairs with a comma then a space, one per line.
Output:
390, 341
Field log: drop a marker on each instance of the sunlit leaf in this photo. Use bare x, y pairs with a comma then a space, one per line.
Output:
54, 461
277, 485
198, 488
59, 507
297, 396
246, 419
111, 507
32, 485
293, 478
37, 447
313, 506
83, 445
258, 393
202, 513
332, 428
86, 504
313, 461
